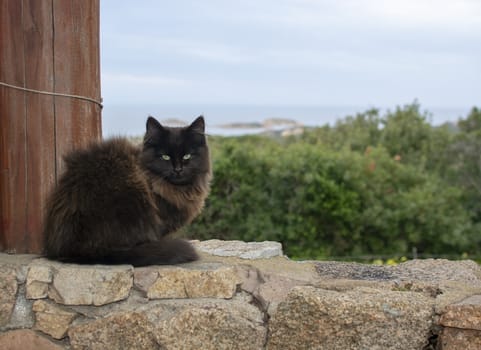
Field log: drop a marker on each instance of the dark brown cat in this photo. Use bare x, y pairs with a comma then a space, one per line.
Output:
116, 202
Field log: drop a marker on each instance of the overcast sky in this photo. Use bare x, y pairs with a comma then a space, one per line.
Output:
292, 52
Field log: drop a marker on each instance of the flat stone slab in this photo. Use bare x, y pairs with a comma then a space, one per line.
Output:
243, 250
427, 270
199, 280
71, 284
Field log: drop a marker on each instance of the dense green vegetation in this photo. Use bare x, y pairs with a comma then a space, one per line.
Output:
369, 185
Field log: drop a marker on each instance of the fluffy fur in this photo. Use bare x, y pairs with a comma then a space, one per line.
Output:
116, 202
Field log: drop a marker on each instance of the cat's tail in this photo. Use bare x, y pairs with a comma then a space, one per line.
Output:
167, 251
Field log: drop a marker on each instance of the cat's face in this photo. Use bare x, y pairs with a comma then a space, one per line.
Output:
178, 155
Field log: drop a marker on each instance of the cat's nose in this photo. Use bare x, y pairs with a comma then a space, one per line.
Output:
178, 170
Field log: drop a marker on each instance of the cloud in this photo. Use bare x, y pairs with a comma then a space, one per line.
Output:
444, 15
204, 49
292, 51
149, 81
122, 88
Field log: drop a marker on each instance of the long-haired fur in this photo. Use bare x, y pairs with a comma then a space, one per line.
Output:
116, 202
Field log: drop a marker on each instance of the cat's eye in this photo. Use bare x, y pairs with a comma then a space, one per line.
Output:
165, 157
187, 156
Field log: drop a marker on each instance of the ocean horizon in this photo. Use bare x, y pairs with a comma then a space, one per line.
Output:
129, 120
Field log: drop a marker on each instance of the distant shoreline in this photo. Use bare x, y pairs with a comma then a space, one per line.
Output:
233, 120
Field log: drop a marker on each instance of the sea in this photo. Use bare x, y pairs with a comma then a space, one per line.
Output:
129, 120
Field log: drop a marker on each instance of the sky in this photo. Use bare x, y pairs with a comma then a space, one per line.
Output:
377, 53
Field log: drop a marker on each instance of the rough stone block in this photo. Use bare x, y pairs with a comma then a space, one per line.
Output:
456, 339
427, 270
90, 285
440, 270
38, 279
130, 330
209, 325
25, 339
52, 319
465, 314
144, 277
197, 281
8, 291
268, 289
362, 318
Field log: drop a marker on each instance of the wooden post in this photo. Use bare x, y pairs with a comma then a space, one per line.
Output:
50, 46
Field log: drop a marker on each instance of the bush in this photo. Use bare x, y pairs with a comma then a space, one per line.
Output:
321, 202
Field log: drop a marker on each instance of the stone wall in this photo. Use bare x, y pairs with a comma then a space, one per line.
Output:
240, 296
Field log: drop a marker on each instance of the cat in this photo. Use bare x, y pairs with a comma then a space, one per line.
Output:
117, 202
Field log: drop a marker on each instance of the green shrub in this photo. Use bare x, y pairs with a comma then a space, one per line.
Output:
322, 201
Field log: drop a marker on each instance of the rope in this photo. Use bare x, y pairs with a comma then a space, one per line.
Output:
99, 103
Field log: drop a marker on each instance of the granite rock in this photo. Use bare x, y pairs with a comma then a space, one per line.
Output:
465, 314
208, 280
90, 285
210, 325
363, 318
8, 291
144, 277
52, 319
440, 270
427, 270
267, 288
25, 339
131, 330
243, 250
456, 339
38, 279
447, 282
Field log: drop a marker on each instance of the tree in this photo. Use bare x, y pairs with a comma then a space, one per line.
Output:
465, 161
406, 134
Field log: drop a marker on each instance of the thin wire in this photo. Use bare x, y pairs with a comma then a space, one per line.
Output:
53, 93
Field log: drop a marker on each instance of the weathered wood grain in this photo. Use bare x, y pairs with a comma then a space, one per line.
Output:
13, 158
48, 45
76, 66
40, 117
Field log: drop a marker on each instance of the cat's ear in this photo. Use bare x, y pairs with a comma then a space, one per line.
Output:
153, 125
198, 125
154, 129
